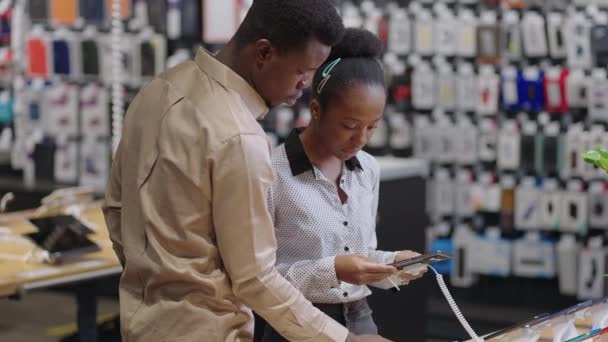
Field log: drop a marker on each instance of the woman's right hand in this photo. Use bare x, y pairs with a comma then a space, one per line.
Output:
359, 270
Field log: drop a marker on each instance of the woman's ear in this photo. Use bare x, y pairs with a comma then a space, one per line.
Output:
315, 109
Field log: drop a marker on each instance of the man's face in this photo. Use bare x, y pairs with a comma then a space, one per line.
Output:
280, 77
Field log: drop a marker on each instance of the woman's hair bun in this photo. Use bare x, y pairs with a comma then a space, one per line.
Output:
357, 43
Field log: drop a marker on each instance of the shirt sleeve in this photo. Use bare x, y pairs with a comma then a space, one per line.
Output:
112, 207
310, 275
270, 199
241, 178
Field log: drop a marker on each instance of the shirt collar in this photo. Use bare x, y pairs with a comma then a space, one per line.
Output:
230, 79
298, 160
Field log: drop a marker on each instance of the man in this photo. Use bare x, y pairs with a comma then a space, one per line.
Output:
186, 203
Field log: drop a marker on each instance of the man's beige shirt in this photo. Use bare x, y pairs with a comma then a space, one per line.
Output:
186, 210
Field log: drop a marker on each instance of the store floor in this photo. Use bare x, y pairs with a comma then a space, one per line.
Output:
45, 316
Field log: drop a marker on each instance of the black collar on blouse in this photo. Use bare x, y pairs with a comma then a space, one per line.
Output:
298, 160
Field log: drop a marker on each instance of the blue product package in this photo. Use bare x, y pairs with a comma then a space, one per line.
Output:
92, 10
34, 110
61, 57
531, 93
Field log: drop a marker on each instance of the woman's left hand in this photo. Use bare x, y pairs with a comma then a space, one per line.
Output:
403, 255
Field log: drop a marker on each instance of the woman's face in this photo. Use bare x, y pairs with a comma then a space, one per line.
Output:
349, 120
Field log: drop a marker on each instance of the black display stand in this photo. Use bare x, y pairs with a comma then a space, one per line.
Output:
402, 221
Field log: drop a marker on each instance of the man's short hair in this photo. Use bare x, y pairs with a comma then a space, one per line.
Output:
290, 24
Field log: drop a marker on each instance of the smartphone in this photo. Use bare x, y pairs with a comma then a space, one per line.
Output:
64, 237
421, 259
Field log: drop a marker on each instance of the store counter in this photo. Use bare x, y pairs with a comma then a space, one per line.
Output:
21, 271
586, 321
392, 168
17, 276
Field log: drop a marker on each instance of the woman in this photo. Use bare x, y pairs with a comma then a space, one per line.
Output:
325, 195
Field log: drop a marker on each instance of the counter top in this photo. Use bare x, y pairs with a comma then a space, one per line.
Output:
392, 168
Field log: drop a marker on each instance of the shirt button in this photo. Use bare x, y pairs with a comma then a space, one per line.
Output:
342, 181
346, 249
345, 223
345, 294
